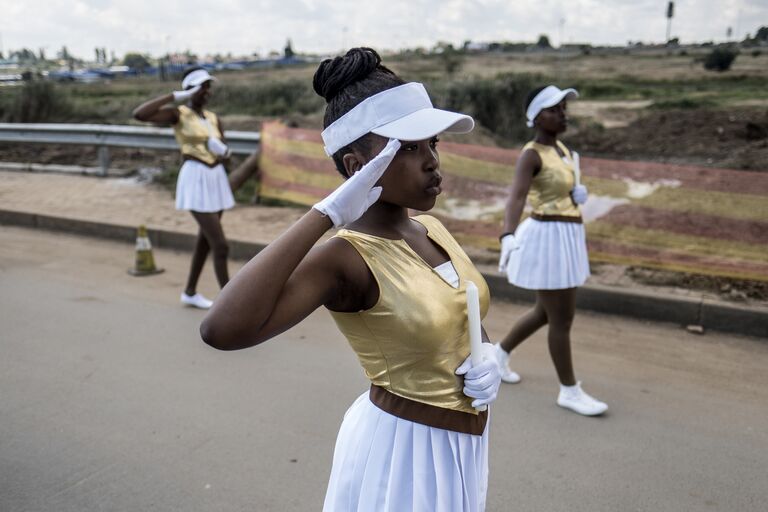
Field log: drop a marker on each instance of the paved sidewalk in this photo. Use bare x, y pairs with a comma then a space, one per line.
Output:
114, 207
126, 202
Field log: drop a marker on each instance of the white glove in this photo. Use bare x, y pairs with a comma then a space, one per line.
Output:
481, 382
217, 147
351, 200
509, 244
579, 194
185, 94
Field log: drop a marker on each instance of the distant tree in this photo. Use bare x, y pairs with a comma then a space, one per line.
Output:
136, 61
543, 42
720, 59
24, 55
451, 58
63, 54
762, 34
40, 53
288, 53
190, 57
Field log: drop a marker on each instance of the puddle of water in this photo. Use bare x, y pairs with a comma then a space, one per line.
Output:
471, 209
600, 206
143, 176
641, 189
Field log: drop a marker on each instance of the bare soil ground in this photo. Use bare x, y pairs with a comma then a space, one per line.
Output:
734, 138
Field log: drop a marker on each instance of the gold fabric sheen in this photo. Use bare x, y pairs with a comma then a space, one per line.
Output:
550, 192
192, 134
411, 342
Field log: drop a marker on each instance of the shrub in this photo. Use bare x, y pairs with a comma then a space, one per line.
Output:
496, 103
268, 98
36, 102
720, 59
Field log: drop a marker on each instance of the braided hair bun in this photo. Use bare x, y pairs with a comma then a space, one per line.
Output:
345, 82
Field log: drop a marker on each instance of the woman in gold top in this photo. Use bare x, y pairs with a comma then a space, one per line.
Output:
547, 252
396, 287
202, 187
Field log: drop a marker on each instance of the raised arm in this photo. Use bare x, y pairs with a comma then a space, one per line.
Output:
276, 289
289, 279
159, 112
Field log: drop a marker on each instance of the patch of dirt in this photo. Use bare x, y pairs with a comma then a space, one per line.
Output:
609, 114
733, 138
725, 288
127, 159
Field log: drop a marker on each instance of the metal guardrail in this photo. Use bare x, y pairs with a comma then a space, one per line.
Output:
106, 136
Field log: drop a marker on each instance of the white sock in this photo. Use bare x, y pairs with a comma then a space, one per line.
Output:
570, 390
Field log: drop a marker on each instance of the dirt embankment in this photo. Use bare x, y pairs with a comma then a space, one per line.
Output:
729, 138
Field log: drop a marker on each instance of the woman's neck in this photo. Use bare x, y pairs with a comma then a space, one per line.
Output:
545, 138
196, 107
384, 219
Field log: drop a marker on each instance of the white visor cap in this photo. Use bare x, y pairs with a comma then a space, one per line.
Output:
195, 78
548, 97
404, 112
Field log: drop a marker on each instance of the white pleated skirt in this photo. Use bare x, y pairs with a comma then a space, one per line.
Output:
203, 189
383, 463
552, 256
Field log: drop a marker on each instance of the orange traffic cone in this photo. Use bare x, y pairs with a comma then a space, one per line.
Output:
145, 262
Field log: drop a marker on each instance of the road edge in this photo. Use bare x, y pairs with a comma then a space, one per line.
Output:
637, 304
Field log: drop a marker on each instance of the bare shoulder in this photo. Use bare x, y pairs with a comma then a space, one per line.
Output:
354, 282
529, 160
530, 156
340, 256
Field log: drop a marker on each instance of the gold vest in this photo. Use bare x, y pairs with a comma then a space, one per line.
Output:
411, 342
550, 192
192, 134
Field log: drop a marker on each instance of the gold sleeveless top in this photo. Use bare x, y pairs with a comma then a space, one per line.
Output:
550, 193
411, 342
192, 134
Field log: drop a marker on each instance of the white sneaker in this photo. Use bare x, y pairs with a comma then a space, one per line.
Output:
196, 301
575, 399
502, 359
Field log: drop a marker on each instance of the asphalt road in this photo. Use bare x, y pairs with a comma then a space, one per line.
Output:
110, 401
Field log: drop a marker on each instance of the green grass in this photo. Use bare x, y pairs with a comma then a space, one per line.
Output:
494, 98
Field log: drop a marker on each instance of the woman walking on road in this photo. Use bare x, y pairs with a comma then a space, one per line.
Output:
547, 252
396, 287
202, 187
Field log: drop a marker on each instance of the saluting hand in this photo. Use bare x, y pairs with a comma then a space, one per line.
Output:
351, 200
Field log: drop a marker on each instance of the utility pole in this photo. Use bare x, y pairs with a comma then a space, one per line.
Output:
670, 14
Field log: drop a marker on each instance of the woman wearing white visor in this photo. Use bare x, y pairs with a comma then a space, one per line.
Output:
547, 252
202, 186
396, 287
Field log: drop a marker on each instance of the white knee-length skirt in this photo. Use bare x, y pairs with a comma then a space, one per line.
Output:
383, 463
203, 189
552, 256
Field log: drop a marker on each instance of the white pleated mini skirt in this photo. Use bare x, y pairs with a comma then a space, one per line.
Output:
552, 256
383, 463
203, 189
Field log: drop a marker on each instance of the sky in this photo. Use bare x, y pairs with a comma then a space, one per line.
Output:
244, 27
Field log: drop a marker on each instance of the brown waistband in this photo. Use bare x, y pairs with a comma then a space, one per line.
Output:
430, 415
190, 157
557, 218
